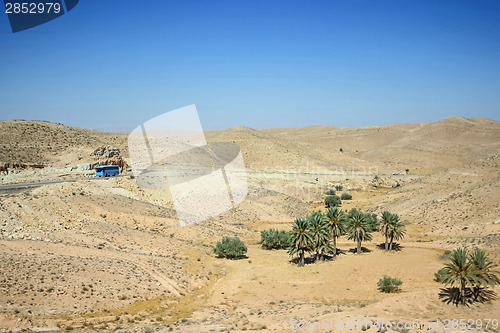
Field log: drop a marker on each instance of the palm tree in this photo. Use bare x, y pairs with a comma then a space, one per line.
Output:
397, 230
358, 228
385, 227
459, 271
336, 219
318, 224
482, 271
300, 239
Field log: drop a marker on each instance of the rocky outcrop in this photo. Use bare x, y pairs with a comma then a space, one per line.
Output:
104, 155
82, 167
6, 166
108, 155
106, 152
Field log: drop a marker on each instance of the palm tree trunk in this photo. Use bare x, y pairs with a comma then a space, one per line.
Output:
390, 244
334, 246
386, 242
301, 259
462, 291
359, 246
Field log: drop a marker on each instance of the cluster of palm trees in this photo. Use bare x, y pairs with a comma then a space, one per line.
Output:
472, 272
318, 233
392, 228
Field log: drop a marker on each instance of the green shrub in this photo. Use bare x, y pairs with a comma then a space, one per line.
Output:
439, 275
446, 255
332, 201
352, 211
230, 247
346, 196
273, 239
373, 221
388, 284
339, 187
331, 192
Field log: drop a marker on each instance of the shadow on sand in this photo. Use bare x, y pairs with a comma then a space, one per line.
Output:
326, 257
475, 295
395, 247
363, 250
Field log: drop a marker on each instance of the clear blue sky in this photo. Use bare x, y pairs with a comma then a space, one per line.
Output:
112, 64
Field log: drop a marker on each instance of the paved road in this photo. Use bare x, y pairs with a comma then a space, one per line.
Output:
286, 174
36, 184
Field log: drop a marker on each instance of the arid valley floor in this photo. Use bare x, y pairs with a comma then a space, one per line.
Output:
104, 254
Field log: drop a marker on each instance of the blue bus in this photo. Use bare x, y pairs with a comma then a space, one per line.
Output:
107, 170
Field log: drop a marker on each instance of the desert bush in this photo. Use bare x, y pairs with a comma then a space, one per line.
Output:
331, 192
439, 276
446, 255
339, 187
346, 196
373, 221
273, 239
332, 201
231, 248
388, 284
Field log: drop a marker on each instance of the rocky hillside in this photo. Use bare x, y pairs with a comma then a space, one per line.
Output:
44, 143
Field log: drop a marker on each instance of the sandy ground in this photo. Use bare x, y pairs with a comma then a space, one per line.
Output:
108, 255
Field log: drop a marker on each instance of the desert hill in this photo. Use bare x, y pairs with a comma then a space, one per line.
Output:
108, 254
263, 150
42, 142
420, 147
